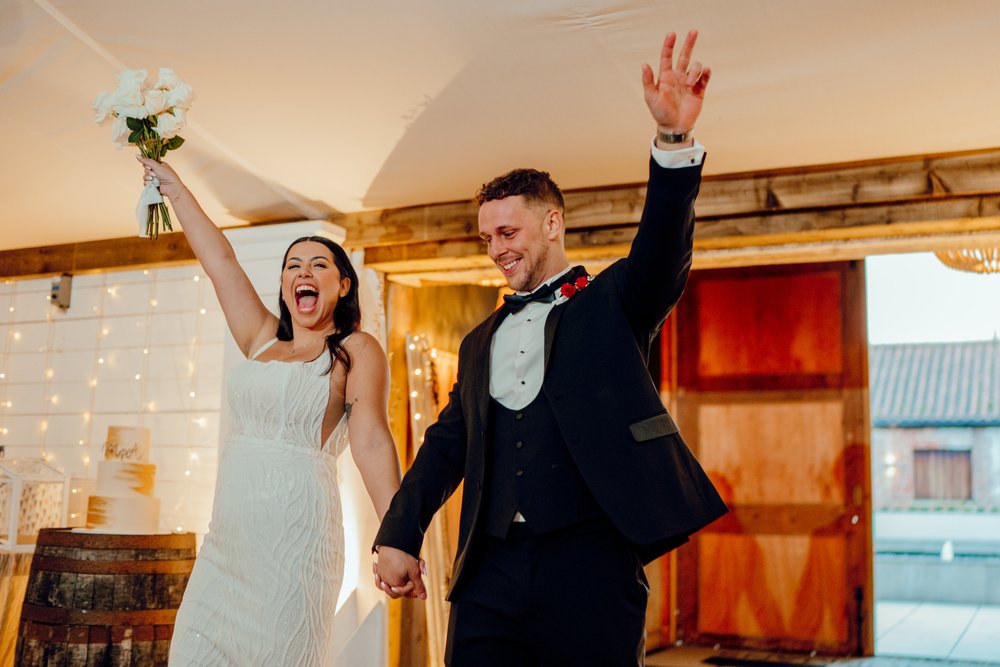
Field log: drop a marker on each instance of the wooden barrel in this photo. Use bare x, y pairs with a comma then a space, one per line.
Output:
103, 599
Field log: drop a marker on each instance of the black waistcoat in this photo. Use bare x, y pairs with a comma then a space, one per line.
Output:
531, 472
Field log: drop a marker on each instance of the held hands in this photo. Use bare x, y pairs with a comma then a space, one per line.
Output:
169, 182
675, 98
399, 574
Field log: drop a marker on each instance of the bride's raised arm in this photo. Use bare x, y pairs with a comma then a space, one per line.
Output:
249, 320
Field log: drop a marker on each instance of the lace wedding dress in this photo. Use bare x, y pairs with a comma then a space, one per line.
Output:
264, 587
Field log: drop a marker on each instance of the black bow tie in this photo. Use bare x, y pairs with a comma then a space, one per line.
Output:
544, 294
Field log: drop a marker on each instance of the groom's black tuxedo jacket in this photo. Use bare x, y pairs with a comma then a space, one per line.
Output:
608, 409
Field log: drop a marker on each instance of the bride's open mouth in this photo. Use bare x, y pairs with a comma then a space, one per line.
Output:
306, 298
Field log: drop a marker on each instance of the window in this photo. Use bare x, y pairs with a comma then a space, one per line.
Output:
942, 474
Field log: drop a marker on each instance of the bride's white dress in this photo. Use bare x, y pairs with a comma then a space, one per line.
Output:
265, 584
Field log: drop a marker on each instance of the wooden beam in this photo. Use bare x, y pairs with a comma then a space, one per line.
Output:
478, 270
74, 258
749, 197
927, 225
746, 217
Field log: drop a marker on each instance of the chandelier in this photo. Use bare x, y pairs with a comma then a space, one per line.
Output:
973, 260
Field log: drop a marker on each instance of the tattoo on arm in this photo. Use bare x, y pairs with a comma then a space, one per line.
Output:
347, 409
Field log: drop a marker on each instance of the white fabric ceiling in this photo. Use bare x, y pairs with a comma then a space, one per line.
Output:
306, 108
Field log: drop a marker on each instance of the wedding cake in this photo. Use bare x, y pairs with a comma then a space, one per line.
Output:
123, 502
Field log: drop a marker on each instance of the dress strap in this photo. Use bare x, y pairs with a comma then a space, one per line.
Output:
263, 347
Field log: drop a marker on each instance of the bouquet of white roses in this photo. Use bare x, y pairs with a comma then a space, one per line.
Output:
149, 116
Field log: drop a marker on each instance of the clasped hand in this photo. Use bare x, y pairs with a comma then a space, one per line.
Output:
399, 574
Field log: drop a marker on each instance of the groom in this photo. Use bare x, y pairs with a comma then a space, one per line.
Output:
575, 475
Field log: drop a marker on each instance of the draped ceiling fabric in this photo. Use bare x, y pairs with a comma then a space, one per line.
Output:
304, 108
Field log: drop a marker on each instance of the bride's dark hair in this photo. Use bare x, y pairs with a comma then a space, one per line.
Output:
347, 314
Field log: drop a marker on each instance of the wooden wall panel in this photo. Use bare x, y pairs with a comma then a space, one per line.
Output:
769, 325
774, 452
770, 586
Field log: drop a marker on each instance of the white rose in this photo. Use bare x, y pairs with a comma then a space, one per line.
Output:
104, 107
139, 111
128, 96
180, 96
120, 132
130, 87
168, 125
168, 79
136, 77
156, 102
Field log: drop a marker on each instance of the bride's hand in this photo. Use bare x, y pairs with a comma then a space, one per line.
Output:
171, 186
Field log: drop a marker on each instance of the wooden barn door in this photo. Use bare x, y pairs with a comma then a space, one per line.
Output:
771, 393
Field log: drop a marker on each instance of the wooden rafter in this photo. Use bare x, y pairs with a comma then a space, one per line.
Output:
829, 211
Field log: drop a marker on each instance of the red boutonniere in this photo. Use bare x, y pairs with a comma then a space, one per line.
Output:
569, 289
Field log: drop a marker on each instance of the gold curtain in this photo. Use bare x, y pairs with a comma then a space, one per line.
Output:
430, 375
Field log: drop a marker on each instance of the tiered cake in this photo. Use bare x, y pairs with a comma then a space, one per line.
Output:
124, 502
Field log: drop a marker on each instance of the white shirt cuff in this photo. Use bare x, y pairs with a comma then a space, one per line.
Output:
683, 157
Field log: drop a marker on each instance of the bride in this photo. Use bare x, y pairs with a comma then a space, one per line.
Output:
265, 583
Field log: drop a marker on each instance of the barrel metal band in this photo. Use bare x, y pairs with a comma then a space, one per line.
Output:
73, 566
43, 614
65, 537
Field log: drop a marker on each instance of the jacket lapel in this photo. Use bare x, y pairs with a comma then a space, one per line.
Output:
481, 363
552, 322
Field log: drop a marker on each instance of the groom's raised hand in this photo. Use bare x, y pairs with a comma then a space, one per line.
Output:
399, 574
675, 96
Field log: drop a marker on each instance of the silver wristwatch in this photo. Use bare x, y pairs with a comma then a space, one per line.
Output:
673, 137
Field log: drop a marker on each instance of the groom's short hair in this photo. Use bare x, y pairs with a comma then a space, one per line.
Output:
537, 187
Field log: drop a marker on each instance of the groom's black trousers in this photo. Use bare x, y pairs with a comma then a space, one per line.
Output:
574, 596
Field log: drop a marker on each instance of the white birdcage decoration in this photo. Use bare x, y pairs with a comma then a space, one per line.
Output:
33, 495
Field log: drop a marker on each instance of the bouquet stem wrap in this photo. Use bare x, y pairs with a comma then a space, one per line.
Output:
152, 211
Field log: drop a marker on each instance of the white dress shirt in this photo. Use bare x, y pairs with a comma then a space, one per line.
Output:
517, 352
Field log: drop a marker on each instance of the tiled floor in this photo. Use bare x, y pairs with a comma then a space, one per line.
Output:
934, 630
907, 634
